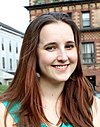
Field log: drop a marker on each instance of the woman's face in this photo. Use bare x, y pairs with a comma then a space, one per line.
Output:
57, 52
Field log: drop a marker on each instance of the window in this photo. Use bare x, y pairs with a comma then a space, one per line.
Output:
85, 19
17, 62
10, 64
51, 1
2, 46
39, 2
2, 43
16, 49
3, 62
88, 53
9, 47
70, 14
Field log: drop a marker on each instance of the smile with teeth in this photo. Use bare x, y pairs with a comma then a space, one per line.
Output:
61, 67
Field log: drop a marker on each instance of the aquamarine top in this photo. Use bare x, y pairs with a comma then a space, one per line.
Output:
16, 106
63, 125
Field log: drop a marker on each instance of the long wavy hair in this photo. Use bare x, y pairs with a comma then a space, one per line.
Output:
77, 95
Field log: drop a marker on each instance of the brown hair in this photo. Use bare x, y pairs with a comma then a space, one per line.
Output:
77, 93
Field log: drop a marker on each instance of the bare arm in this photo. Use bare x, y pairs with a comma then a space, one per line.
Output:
10, 121
96, 112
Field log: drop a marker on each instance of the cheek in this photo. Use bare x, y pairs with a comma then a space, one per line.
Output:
46, 58
73, 57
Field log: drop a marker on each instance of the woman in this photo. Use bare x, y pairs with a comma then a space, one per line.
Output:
49, 88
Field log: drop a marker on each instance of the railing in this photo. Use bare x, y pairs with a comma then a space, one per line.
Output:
88, 58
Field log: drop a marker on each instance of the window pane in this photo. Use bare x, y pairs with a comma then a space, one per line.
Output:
9, 47
85, 19
10, 64
2, 46
70, 14
88, 53
2, 43
39, 1
16, 49
3, 62
16, 62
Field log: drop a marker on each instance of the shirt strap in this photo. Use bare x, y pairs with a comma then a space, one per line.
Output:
13, 110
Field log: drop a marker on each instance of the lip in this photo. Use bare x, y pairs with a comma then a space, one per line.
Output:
61, 67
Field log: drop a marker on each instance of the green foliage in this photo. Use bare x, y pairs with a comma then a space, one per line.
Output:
3, 88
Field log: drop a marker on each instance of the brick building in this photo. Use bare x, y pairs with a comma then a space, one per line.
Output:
86, 14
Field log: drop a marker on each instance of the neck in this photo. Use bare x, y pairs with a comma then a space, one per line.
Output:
51, 89
51, 97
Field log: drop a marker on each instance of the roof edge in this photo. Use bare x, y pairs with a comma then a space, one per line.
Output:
57, 4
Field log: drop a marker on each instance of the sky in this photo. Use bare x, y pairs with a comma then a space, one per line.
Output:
14, 14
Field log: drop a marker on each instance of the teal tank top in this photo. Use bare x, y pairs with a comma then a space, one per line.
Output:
16, 106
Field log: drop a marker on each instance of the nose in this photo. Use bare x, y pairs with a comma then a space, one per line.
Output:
62, 56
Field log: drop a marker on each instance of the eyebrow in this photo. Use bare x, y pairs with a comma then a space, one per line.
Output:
70, 42
53, 43
50, 43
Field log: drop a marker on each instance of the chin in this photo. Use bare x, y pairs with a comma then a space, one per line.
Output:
62, 80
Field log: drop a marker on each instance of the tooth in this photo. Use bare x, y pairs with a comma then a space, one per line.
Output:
61, 67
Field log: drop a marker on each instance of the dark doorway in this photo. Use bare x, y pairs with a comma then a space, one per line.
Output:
92, 79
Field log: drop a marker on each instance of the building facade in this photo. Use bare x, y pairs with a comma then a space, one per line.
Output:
10, 44
86, 14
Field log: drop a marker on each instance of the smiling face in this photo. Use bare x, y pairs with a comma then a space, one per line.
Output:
57, 52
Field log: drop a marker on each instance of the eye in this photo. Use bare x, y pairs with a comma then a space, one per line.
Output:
51, 48
69, 46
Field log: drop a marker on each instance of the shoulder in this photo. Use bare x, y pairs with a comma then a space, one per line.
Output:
96, 112
10, 121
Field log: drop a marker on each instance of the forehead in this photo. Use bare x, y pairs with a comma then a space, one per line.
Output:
55, 32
